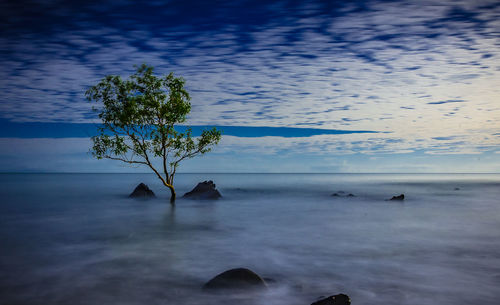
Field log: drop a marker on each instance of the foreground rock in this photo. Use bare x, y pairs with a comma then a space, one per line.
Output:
239, 278
400, 197
338, 299
342, 194
204, 190
142, 191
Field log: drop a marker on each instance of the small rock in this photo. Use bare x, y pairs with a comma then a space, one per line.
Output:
338, 299
204, 190
239, 278
142, 191
400, 197
342, 194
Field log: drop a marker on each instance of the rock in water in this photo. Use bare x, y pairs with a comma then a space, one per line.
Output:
338, 299
400, 197
142, 191
239, 278
204, 190
342, 194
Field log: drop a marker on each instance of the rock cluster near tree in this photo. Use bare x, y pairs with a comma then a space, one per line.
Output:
204, 190
142, 191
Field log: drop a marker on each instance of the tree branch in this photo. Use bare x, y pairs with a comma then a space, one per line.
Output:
124, 160
142, 145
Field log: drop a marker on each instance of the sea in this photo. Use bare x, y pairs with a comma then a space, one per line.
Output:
78, 239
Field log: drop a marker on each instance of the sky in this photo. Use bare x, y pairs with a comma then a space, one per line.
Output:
295, 86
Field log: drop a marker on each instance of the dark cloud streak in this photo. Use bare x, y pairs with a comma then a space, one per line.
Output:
446, 102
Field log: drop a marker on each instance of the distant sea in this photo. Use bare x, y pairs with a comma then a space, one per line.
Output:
78, 239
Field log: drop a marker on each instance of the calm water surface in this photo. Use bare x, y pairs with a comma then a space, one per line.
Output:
78, 239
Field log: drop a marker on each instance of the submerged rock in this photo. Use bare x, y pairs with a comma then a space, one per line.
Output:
400, 197
142, 191
342, 194
239, 278
204, 190
338, 299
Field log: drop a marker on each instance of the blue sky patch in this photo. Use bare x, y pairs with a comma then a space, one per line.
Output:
86, 130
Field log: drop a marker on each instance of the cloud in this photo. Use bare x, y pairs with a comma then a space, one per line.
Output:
338, 145
344, 153
446, 102
363, 66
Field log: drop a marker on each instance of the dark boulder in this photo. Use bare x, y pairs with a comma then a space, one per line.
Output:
204, 190
400, 197
338, 299
142, 191
239, 278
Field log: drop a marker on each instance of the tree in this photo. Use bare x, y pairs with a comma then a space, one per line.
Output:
138, 123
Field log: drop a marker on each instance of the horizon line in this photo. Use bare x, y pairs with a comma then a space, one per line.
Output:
261, 173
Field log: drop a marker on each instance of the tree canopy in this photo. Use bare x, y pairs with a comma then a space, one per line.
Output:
139, 116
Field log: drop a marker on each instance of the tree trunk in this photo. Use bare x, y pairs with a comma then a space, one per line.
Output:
172, 194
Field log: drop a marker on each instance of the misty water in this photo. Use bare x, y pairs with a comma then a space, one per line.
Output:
78, 239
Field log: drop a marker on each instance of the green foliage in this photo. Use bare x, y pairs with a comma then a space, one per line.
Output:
138, 118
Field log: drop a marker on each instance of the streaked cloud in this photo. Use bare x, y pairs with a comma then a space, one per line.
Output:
446, 102
423, 74
262, 154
